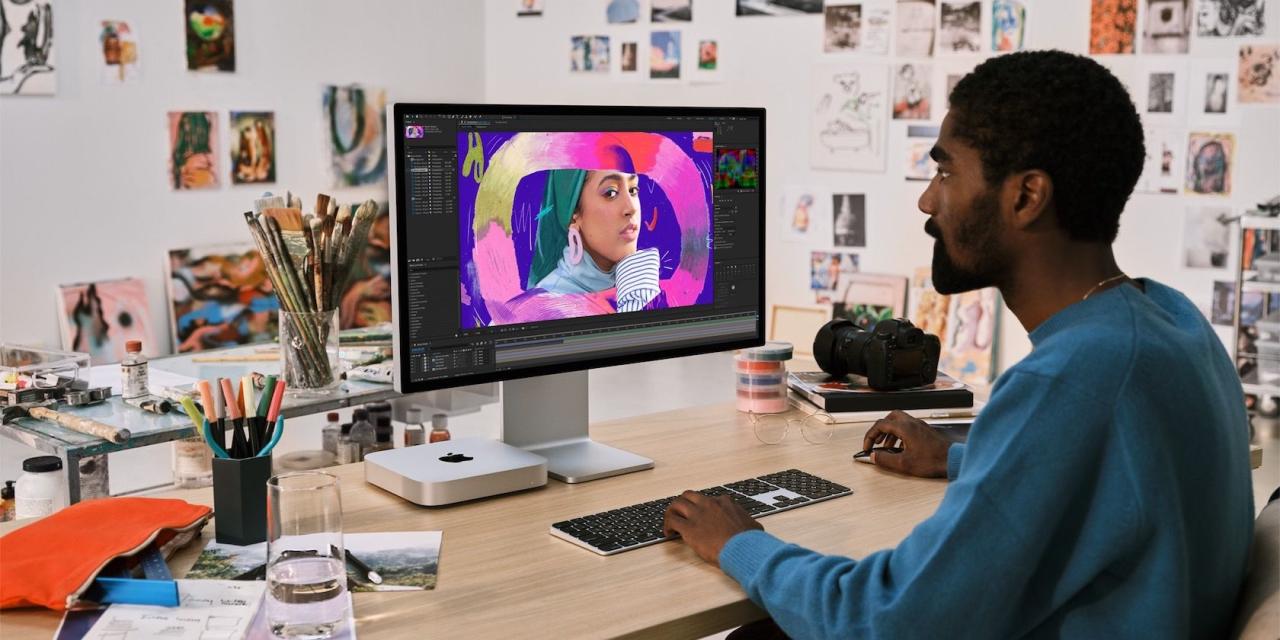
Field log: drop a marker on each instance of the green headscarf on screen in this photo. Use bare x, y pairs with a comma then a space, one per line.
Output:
558, 203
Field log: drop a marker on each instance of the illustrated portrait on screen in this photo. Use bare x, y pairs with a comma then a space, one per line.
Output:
573, 224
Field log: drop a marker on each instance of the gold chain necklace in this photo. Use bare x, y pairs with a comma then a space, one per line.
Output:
1102, 284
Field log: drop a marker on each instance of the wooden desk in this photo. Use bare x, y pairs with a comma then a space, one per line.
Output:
502, 575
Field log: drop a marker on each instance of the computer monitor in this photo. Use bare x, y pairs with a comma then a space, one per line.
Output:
531, 243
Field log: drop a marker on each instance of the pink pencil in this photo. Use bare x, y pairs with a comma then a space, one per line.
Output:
276, 397
206, 399
233, 411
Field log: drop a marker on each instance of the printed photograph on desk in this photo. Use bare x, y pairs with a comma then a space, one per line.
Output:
355, 143
571, 224
1259, 74
1112, 24
778, 7
912, 88
119, 44
968, 352
253, 147
960, 28
1210, 160
27, 48
1166, 27
366, 301
1223, 18
849, 117
219, 296
193, 150
1008, 25
915, 26
211, 35
1205, 239
98, 318
589, 54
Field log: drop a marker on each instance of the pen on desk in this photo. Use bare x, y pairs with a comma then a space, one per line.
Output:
363, 568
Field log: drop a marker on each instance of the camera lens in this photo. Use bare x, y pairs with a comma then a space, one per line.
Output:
838, 348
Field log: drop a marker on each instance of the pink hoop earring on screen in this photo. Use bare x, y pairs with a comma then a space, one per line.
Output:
575, 245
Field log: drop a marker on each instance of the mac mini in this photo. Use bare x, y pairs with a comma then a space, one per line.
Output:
453, 471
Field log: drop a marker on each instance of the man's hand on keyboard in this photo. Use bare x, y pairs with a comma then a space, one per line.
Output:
706, 523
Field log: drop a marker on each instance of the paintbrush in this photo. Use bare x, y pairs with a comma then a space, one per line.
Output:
318, 264
267, 201
355, 245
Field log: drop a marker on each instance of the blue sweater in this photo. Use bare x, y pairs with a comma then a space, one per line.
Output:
1104, 492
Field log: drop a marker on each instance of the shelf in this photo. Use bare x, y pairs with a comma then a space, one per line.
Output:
1261, 389
1254, 285
1259, 222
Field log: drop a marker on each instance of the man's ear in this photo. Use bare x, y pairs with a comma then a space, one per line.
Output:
1031, 193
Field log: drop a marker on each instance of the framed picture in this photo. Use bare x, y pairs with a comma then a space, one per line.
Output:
797, 325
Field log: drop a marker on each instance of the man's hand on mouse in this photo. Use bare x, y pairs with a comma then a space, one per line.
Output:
924, 452
706, 523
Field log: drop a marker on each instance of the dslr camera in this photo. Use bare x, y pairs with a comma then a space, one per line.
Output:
894, 354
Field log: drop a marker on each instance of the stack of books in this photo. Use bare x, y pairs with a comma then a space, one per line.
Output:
849, 399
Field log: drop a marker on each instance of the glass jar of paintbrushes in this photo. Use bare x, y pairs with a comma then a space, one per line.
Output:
308, 257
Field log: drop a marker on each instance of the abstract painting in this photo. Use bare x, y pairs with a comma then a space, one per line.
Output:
664, 54
1167, 28
357, 147
968, 352
211, 35
960, 30
1111, 26
927, 309
97, 318
915, 28
1222, 18
912, 86
589, 54
119, 45
253, 147
26, 48
1008, 25
849, 222
849, 119
1210, 161
193, 150
1259, 74
219, 296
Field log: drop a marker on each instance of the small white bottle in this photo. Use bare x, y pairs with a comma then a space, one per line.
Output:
330, 433
39, 491
133, 371
414, 434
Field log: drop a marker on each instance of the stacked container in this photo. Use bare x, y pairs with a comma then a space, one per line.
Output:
762, 378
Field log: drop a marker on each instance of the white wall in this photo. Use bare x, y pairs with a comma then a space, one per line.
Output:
83, 188
766, 64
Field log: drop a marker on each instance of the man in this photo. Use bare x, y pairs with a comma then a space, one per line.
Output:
1104, 491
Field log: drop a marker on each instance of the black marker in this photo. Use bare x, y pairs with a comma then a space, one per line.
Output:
363, 568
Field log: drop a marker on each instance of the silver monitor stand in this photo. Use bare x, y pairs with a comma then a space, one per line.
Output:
547, 415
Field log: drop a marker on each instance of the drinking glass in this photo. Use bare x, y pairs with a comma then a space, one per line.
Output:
306, 567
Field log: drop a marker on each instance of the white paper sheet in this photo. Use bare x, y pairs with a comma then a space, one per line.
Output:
209, 609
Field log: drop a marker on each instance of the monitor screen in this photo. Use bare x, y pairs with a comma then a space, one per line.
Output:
531, 240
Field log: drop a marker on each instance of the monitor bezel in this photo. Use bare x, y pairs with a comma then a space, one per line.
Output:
395, 114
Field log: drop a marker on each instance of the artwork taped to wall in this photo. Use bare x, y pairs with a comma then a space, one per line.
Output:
1210, 163
355, 143
589, 54
97, 318
1008, 25
877, 26
849, 221
829, 273
960, 27
797, 325
1258, 73
912, 89
622, 11
629, 58
778, 7
968, 347
919, 164
671, 10
27, 52
867, 298
219, 296
253, 147
842, 28
804, 214
1111, 26
849, 117
119, 45
916, 24
211, 35
926, 308
1162, 170
529, 8
1162, 91
1221, 18
1205, 238
1166, 26
1212, 90
193, 150
664, 55
708, 67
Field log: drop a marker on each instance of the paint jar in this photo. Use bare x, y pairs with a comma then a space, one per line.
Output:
761, 373
309, 352
192, 463
40, 490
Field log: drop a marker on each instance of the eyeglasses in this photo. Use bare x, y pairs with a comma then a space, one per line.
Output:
816, 428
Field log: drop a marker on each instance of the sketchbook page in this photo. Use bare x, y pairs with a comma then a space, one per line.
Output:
209, 608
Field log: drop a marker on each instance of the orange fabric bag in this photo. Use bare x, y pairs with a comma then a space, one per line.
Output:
50, 563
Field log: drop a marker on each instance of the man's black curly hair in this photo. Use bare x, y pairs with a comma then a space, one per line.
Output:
1063, 114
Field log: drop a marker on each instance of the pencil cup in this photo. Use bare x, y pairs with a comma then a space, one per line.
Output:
240, 499
309, 351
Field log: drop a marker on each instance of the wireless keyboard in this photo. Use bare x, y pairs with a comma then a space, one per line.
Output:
640, 525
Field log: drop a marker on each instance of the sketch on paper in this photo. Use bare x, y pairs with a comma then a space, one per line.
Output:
916, 23
804, 214
97, 318
877, 26
968, 351
911, 89
961, 30
119, 46
1008, 25
1221, 18
848, 124
26, 48
357, 148
1259, 73
1210, 159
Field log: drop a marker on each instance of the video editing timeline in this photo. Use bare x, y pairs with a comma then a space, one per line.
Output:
443, 151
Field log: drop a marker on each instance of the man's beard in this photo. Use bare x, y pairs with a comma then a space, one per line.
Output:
978, 233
